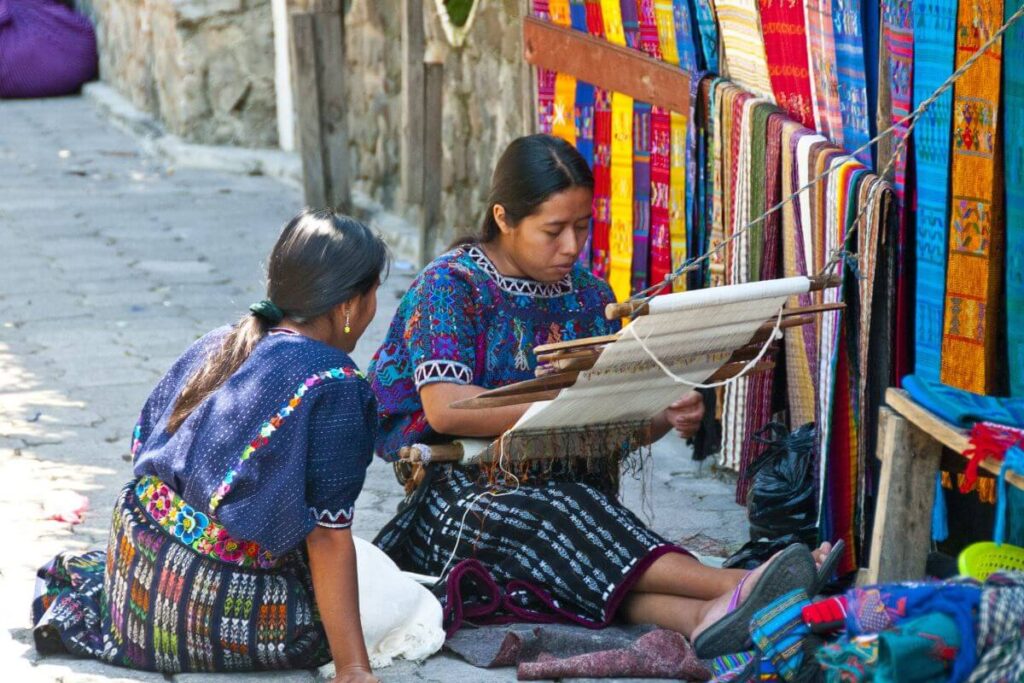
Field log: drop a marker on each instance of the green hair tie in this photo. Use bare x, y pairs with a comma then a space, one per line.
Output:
268, 310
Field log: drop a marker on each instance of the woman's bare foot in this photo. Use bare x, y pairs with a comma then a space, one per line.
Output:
820, 553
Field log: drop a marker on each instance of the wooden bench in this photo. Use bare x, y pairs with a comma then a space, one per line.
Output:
910, 442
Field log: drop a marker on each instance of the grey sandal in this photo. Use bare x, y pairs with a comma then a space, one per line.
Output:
791, 569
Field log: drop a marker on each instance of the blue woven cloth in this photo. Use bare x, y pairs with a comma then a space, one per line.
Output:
1013, 113
964, 408
934, 44
313, 463
850, 69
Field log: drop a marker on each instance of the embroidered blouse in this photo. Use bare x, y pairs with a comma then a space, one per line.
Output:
278, 449
464, 322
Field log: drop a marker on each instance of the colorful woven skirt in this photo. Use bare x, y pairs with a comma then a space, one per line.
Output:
151, 602
559, 551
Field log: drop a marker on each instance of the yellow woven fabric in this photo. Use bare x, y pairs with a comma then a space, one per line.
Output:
563, 118
974, 273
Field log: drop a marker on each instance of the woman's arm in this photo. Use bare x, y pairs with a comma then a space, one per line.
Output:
684, 416
332, 562
482, 422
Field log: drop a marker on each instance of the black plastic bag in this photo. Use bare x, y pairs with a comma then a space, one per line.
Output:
782, 505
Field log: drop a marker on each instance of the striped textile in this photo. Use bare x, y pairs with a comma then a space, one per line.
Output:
976, 231
1013, 110
563, 119
658, 41
821, 60
853, 96
641, 195
783, 27
620, 234
934, 44
545, 79
689, 60
599, 245
583, 115
630, 22
707, 26
743, 47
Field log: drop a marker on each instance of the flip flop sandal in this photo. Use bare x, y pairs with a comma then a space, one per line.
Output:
791, 569
828, 567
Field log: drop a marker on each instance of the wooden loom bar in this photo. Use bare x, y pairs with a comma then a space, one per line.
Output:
634, 308
608, 66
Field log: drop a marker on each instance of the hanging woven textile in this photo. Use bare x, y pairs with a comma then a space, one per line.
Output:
563, 119
970, 332
707, 26
821, 60
663, 47
620, 237
583, 116
545, 79
853, 95
1013, 108
685, 152
784, 28
934, 45
898, 34
646, 203
743, 47
599, 236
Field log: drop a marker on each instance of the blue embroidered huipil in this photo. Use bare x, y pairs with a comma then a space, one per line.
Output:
278, 449
463, 322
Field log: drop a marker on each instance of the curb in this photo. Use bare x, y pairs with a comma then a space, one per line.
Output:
401, 236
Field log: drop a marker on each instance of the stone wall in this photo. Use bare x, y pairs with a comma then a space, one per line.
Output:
205, 68
483, 85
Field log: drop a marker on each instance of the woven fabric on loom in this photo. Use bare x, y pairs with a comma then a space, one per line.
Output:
583, 116
853, 95
599, 240
821, 60
743, 47
784, 28
545, 79
1013, 108
934, 46
976, 232
898, 34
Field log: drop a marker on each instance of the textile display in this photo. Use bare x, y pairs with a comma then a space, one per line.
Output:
1013, 111
1001, 630
743, 47
584, 116
545, 79
599, 240
708, 29
964, 408
976, 229
850, 76
934, 23
821, 59
783, 27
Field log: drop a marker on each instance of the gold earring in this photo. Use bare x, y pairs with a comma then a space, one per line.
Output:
348, 328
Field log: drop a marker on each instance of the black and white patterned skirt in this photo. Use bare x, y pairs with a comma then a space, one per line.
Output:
559, 551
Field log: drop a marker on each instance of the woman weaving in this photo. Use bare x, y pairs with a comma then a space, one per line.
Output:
563, 548
231, 549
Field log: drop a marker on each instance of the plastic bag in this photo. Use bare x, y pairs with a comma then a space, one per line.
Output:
782, 505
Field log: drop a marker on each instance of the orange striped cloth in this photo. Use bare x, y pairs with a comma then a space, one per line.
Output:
974, 273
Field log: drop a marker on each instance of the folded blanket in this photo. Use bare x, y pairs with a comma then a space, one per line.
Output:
961, 407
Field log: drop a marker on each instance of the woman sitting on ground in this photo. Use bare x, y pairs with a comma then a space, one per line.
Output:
231, 549
564, 548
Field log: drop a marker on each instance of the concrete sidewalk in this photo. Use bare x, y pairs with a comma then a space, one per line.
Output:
111, 262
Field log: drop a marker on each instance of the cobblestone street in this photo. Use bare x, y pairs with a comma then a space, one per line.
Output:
111, 262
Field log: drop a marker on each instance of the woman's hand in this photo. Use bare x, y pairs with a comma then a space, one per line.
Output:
685, 414
355, 675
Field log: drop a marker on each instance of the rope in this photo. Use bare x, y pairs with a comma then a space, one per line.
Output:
911, 118
776, 334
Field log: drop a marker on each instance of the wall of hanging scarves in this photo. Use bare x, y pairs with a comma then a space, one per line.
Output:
782, 90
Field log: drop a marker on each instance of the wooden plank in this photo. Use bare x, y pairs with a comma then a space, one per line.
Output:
528, 105
948, 435
608, 66
330, 39
906, 490
433, 159
413, 76
307, 88
575, 343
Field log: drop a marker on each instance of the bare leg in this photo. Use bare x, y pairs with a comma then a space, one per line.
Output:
667, 611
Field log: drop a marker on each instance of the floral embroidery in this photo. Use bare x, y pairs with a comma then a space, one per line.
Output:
268, 428
137, 438
193, 528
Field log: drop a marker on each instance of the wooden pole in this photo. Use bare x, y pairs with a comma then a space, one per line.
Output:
433, 117
413, 77
318, 53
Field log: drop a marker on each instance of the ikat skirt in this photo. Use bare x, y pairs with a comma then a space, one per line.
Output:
559, 551
151, 602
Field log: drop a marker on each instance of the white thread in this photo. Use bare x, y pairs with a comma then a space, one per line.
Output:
425, 453
776, 334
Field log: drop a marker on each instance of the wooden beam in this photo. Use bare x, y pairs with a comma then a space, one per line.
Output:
612, 67
906, 490
413, 75
433, 158
318, 52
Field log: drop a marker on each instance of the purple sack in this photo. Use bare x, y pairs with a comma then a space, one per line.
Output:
46, 49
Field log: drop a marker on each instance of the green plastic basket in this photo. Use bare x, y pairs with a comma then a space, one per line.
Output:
978, 560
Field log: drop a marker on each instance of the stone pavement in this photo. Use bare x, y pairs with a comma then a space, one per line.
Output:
111, 262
